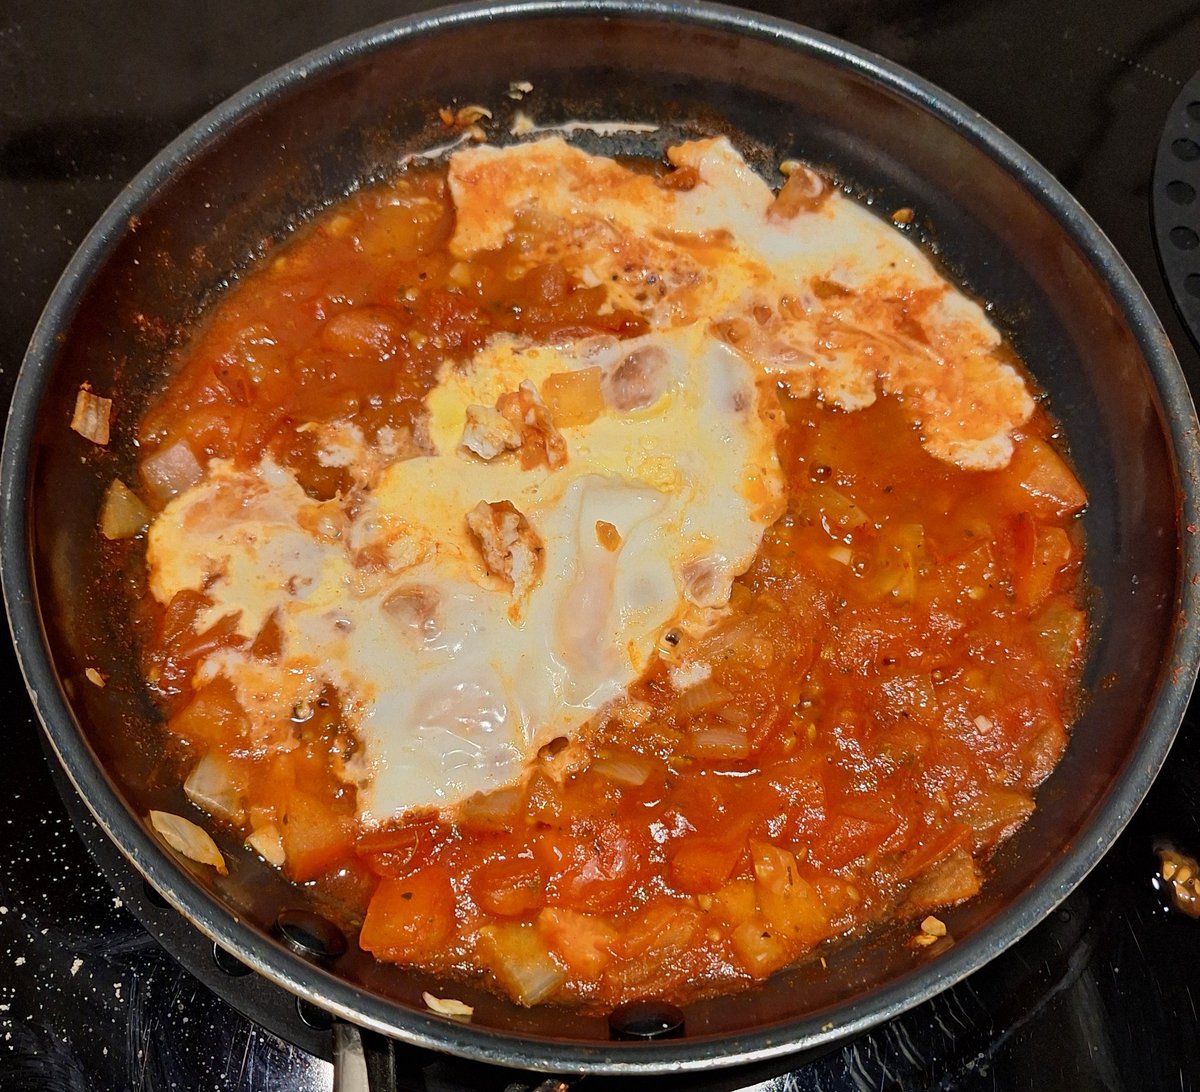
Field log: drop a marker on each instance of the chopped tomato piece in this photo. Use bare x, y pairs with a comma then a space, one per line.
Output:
701, 865
591, 874
508, 887
400, 848
846, 838
582, 941
410, 919
315, 835
213, 716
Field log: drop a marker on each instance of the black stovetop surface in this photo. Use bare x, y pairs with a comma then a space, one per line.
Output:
1102, 996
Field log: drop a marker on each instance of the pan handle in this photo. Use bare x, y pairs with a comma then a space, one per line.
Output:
360, 1064
350, 1073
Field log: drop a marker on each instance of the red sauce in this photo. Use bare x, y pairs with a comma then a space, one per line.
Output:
895, 679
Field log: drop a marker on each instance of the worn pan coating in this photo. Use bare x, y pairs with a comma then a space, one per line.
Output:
302, 136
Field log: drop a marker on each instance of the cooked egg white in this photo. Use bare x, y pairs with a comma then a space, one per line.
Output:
500, 580
830, 298
451, 679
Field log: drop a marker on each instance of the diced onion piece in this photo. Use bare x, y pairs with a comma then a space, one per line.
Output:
491, 810
1062, 630
995, 813
733, 714
685, 676
704, 695
448, 1006
789, 903
213, 788
192, 841
267, 842
168, 472
522, 124
839, 510
469, 115
758, 949
123, 514
517, 955
804, 191
732, 639
720, 741
624, 769
935, 927
951, 880
92, 415
735, 902
1046, 477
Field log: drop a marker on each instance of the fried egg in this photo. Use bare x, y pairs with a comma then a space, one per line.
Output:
818, 291
497, 586
453, 672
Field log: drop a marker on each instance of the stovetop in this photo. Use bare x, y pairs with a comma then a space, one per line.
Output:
1102, 996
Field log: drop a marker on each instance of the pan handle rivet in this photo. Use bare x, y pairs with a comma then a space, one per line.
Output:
228, 964
310, 935
312, 1016
646, 1020
153, 897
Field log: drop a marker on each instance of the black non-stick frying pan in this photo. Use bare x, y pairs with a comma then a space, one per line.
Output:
300, 138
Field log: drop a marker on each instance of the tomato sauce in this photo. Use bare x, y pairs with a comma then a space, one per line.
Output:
895, 677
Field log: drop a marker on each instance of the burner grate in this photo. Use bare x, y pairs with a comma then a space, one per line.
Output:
1176, 204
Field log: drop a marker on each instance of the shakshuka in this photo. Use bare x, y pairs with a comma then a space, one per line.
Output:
604, 579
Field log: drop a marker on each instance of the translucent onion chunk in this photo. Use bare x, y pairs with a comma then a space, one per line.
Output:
192, 841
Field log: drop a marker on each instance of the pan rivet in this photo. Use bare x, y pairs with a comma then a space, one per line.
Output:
313, 1017
310, 935
229, 964
646, 1020
153, 897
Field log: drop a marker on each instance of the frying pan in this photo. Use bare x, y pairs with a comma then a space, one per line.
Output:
302, 137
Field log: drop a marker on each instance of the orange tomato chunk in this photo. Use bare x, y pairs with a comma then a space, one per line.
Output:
410, 919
